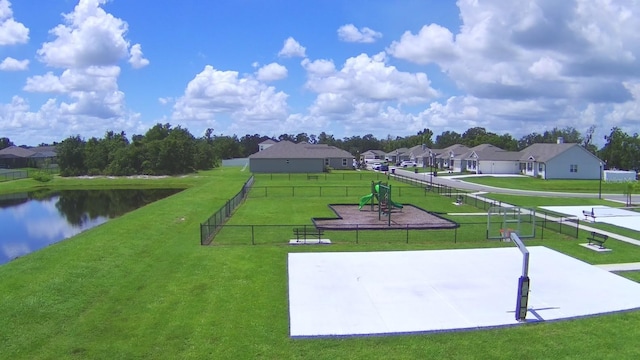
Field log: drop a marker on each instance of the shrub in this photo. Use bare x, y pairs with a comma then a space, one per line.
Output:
41, 176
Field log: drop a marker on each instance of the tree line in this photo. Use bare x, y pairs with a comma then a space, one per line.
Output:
167, 150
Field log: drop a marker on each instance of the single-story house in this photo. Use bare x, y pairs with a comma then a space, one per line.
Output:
560, 161
288, 157
398, 155
451, 157
265, 144
490, 159
372, 156
17, 156
421, 154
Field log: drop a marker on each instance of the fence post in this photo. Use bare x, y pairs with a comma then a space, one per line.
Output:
357, 232
253, 241
455, 235
407, 228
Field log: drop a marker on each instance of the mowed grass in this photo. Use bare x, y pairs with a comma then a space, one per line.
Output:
141, 287
531, 183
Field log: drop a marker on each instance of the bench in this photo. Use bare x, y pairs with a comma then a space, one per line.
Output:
314, 177
305, 233
589, 214
597, 238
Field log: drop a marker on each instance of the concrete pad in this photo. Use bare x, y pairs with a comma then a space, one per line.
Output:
309, 241
603, 214
391, 292
595, 248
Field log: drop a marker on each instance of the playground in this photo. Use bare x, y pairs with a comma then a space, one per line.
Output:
378, 211
350, 217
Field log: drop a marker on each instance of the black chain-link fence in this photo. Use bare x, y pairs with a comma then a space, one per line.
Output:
209, 228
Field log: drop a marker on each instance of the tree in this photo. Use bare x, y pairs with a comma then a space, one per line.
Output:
71, 156
448, 138
5, 143
588, 138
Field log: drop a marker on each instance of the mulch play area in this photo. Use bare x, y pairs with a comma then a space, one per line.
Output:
348, 217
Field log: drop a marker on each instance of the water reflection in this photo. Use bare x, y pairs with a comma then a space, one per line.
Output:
31, 221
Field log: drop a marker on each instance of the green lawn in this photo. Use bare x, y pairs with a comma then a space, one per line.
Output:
531, 183
141, 287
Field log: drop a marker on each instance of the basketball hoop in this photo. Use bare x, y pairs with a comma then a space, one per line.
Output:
506, 234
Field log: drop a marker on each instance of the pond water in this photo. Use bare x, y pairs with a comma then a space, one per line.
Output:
31, 221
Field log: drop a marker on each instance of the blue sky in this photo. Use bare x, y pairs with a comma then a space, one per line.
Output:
348, 68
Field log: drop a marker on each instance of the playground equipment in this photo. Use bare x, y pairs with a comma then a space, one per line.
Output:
382, 193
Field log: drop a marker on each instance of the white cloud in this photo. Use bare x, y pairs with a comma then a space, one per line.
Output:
11, 64
166, 100
366, 94
11, 31
368, 79
546, 68
214, 92
433, 43
272, 72
89, 37
95, 79
292, 48
137, 60
350, 33
88, 47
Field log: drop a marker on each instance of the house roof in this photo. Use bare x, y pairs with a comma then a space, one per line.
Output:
288, 150
400, 151
16, 152
268, 141
374, 152
21, 152
544, 152
491, 152
456, 150
419, 151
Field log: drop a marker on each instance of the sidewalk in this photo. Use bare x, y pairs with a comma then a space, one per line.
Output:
620, 267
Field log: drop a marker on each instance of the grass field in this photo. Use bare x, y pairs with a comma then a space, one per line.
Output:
141, 287
531, 183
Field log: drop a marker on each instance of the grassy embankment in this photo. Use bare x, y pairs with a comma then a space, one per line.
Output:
141, 286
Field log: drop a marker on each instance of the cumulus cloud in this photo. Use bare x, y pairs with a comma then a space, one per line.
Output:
11, 31
365, 93
350, 33
136, 59
11, 64
433, 43
271, 72
88, 46
533, 48
214, 92
292, 48
89, 37
369, 79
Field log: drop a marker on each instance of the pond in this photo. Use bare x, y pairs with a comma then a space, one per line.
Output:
31, 221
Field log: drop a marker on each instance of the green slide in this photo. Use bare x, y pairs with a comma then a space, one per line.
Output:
395, 205
364, 200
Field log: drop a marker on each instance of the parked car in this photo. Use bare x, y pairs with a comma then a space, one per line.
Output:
376, 166
406, 163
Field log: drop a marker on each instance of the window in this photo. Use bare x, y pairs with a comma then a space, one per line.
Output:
540, 167
344, 162
573, 168
529, 166
326, 162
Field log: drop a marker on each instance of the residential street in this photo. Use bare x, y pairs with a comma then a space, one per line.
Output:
459, 183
